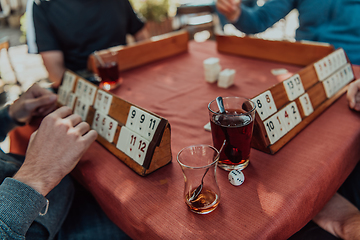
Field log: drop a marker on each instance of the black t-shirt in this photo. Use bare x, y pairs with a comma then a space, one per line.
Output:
79, 27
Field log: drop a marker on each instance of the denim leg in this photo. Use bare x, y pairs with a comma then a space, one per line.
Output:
86, 220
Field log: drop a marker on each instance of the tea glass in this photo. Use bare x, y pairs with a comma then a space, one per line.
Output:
236, 126
201, 191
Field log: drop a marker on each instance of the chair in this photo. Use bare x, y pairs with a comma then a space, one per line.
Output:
196, 18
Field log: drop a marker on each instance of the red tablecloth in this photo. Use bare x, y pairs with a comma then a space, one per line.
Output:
281, 193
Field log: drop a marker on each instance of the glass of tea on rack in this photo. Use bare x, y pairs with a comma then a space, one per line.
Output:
235, 125
108, 69
201, 191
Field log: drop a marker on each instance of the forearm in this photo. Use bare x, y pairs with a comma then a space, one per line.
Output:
54, 63
351, 228
340, 218
257, 19
20, 205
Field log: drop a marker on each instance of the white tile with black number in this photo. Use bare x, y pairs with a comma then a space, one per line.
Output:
294, 113
326, 68
328, 87
350, 71
298, 85
84, 91
79, 88
82, 109
62, 93
71, 100
91, 94
320, 70
272, 130
331, 64
69, 80
334, 62
342, 57
348, 74
293, 87
306, 104
260, 103
98, 99
147, 125
77, 107
103, 101
133, 118
106, 103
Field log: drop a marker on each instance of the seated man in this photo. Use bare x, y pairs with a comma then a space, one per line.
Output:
322, 20
340, 216
38, 198
66, 32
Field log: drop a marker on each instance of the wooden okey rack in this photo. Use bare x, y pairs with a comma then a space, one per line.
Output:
138, 137
286, 108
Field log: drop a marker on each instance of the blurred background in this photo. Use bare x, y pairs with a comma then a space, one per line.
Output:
19, 70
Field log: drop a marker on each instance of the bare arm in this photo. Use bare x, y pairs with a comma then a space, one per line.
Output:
340, 218
54, 63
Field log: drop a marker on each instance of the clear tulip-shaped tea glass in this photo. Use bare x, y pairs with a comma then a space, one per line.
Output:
198, 163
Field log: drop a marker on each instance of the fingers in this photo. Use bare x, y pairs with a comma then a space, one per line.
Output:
45, 110
227, 6
75, 120
62, 112
82, 128
45, 102
90, 136
352, 93
37, 91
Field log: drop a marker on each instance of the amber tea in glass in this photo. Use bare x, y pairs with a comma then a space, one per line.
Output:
198, 163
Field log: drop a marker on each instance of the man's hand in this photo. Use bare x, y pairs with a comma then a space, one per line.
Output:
230, 9
54, 150
142, 34
36, 101
353, 95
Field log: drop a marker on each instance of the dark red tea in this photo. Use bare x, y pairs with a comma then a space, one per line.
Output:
237, 130
109, 74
